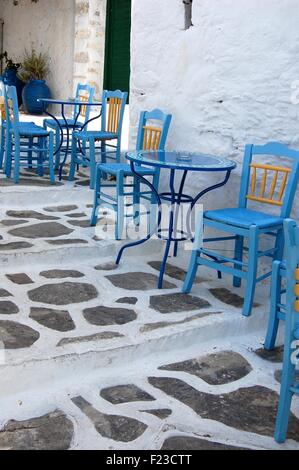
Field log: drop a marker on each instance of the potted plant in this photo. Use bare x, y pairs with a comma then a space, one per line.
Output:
10, 76
34, 72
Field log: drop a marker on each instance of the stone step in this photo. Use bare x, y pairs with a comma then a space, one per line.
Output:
103, 361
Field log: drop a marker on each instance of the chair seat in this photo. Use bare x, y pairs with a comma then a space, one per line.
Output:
100, 135
70, 123
22, 124
32, 131
114, 168
243, 218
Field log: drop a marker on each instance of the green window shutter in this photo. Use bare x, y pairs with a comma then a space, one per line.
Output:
117, 50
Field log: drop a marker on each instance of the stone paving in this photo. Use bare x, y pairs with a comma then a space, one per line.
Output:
95, 357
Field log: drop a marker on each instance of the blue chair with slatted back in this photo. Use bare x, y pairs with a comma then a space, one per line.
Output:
84, 93
289, 387
276, 187
4, 125
152, 134
113, 108
26, 146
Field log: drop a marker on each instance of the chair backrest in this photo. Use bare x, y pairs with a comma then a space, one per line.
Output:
11, 108
291, 233
113, 108
153, 130
84, 93
2, 102
270, 184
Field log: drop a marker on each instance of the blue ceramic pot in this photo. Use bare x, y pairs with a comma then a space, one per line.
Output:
34, 90
11, 78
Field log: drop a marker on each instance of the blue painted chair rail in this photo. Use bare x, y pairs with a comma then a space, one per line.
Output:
84, 93
260, 183
289, 387
149, 137
27, 146
84, 148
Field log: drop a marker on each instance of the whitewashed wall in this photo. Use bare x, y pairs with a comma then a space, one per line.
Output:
227, 80
47, 26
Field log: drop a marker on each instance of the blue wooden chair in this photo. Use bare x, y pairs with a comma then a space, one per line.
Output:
25, 125
276, 187
289, 387
84, 93
113, 108
152, 135
26, 146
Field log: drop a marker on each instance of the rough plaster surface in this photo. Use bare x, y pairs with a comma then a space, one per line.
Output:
227, 80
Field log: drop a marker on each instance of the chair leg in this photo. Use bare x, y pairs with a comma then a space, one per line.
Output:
73, 159
136, 202
57, 143
120, 205
51, 158
17, 162
92, 163
275, 299
285, 399
30, 143
96, 203
252, 270
192, 270
239, 244
8, 156
2, 146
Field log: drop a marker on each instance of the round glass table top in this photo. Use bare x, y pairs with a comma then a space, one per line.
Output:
181, 160
70, 101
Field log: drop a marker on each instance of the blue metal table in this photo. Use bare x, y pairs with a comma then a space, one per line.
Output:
67, 126
182, 162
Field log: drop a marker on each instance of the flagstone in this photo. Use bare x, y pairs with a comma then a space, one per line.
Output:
80, 223
154, 326
169, 303
27, 214
104, 316
59, 320
53, 431
116, 427
173, 271
194, 443
275, 355
64, 293
61, 274
12, 223
137, 281
162, 413
43, 230
215, 369
96, 337
15, 246
67, 241
228, 297
8, 308
66, 208
127, 300
19, 278
5, 293
106, 266
17, 336
251, 409
76, 215
125, 394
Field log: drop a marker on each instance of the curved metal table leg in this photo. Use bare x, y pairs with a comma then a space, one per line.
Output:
155, 229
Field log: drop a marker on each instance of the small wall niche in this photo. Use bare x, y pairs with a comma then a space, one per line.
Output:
188, 13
